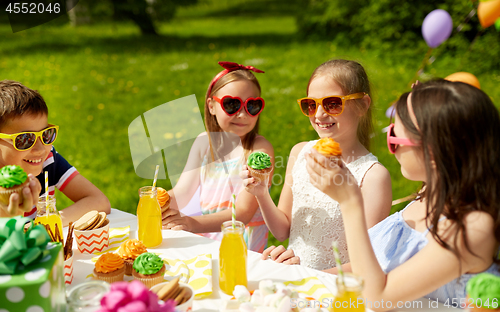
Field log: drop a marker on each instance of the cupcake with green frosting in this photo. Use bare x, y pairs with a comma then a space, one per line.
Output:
12, 180
483, 293
149, 269
259, 166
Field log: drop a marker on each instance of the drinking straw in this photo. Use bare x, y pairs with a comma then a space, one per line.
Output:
234, 212
233, 208
46, 192
336, 255
154, 180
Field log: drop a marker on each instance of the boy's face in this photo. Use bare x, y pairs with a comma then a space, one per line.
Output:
31, 160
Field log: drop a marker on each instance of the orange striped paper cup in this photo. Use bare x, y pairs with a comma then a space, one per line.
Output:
68, 270
92, 241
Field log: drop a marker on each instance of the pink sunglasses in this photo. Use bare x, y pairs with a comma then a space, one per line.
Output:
393, 141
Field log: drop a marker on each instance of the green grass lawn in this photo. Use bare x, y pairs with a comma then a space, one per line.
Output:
98, 78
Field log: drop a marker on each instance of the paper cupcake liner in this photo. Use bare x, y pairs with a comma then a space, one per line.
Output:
111, 277
260, 175
6, 192
68, 270
128, 266
92, 241
150, 280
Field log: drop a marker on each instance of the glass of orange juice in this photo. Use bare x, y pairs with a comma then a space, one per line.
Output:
232, 257
349, 296
149, 218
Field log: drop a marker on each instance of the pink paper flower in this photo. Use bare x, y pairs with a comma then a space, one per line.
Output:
133, 297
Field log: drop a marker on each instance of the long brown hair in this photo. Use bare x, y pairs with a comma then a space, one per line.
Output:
211, 121
459, 128
352, 78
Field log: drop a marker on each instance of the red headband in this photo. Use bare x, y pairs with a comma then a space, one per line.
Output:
229, 67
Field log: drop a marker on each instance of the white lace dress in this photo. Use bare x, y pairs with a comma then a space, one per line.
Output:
316, 218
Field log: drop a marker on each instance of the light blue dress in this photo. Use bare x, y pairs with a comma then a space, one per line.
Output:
394, 242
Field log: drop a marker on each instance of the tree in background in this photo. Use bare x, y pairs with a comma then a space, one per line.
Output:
144, 13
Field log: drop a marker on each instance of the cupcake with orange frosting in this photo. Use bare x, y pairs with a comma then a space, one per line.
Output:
329, 148
109, 268
163, 198
129, 251
149, 269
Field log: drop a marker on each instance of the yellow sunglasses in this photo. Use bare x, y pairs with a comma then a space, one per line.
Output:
333, 105
24, 141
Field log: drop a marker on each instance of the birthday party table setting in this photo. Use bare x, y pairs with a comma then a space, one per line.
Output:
195, 259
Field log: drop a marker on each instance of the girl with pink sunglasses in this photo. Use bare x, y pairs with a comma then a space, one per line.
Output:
447, 135
233, 104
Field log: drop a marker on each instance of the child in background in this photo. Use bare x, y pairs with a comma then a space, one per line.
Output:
446, 134
232, 108
338, 107
26, 140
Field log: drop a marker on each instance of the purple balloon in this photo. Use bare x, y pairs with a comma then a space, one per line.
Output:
390, 112
437, 27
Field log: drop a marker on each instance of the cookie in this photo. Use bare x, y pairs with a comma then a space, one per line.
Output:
169, 289
87, 220
100, 222
180, 296
92, 226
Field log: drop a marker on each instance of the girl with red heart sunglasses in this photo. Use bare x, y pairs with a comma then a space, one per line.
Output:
233, 104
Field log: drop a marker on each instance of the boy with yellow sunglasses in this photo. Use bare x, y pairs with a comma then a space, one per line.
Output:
26, 140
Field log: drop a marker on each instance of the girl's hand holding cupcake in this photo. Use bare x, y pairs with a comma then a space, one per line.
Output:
251, 185
331, 177
256, 173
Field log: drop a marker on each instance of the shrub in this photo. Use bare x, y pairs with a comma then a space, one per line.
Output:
393, 24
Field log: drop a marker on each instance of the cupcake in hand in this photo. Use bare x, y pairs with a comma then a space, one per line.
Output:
483, 293
330, 148
149, 269
12, 180
109, 268
259, 166
163, 199
129, 251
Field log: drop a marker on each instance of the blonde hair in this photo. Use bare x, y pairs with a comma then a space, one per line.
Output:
211, 123
352, 78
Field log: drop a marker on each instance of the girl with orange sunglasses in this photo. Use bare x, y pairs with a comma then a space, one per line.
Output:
339, 106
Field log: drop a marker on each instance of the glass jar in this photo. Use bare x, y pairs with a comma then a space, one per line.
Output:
232, 257
149, 218
48, 215
86, 297
349, 295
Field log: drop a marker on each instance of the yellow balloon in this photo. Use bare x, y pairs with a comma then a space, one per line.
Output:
464, 77
488, 12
